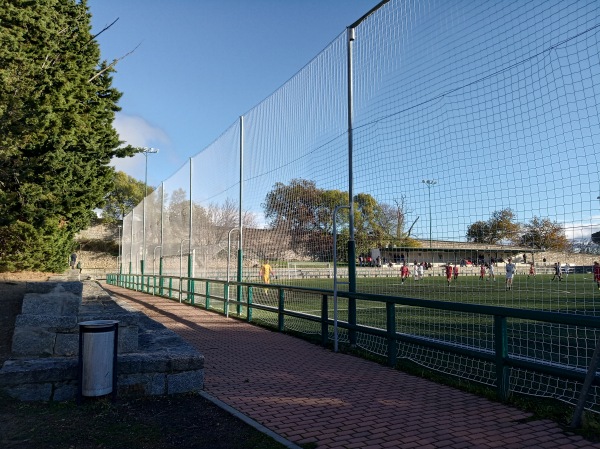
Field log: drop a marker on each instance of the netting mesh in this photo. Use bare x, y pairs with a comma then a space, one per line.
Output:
176, 222
153, 217
474, 127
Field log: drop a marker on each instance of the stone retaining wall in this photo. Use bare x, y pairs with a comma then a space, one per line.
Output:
152, 360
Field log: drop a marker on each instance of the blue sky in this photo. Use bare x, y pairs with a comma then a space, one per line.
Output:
493, 100
202, 64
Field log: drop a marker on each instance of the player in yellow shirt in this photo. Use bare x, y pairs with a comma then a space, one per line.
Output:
266, 271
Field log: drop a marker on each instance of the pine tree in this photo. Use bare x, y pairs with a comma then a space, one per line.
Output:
56, 134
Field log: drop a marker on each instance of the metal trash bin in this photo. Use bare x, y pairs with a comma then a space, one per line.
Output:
98, 341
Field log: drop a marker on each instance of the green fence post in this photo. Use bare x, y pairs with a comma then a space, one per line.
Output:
207, 295
160, 273
180, 289
142, 273
324, 318
390, 308
352, 289
249, 303
501, 349
170, 287
190, 282
226, 299
281, 306
239, 279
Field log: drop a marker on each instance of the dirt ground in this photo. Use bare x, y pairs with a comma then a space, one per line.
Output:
178, 421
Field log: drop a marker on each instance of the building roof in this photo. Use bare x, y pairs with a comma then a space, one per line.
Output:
441, 245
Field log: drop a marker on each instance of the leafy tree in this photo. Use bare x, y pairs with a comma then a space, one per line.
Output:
303, 216
127, 193
304, 212
542, 233
56, 136
500, 227
479, 232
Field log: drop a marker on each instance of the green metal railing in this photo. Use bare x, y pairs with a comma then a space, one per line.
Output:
172, 287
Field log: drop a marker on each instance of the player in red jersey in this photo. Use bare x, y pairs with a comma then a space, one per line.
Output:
455, 272
404, 272
448, 273
597, 274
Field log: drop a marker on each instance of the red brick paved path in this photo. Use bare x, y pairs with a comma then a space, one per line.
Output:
309, 394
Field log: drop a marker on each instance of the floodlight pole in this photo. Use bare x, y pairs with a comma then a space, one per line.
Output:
351, 241
240, 221
190, 236
351, 36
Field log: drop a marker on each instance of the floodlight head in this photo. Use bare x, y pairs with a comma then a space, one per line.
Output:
150, 150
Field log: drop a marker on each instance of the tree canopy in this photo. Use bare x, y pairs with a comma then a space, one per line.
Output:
305, 212
500, 227
56, 133
126, 193
543, 233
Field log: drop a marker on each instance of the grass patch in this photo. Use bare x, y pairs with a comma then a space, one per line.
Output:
156, 422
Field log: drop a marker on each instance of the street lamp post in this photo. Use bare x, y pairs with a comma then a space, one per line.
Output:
429, 183
145, 151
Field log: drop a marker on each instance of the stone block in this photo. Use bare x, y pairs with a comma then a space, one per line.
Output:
66, 345
64, 391
143, 362
75, 287
189, 381
124, 319
49, 322
30, 392
142, 384
56, 304
186, 361
47, 370
40, 287
128, 339
33, 341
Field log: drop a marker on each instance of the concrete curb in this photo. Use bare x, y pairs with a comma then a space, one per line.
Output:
249, 421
